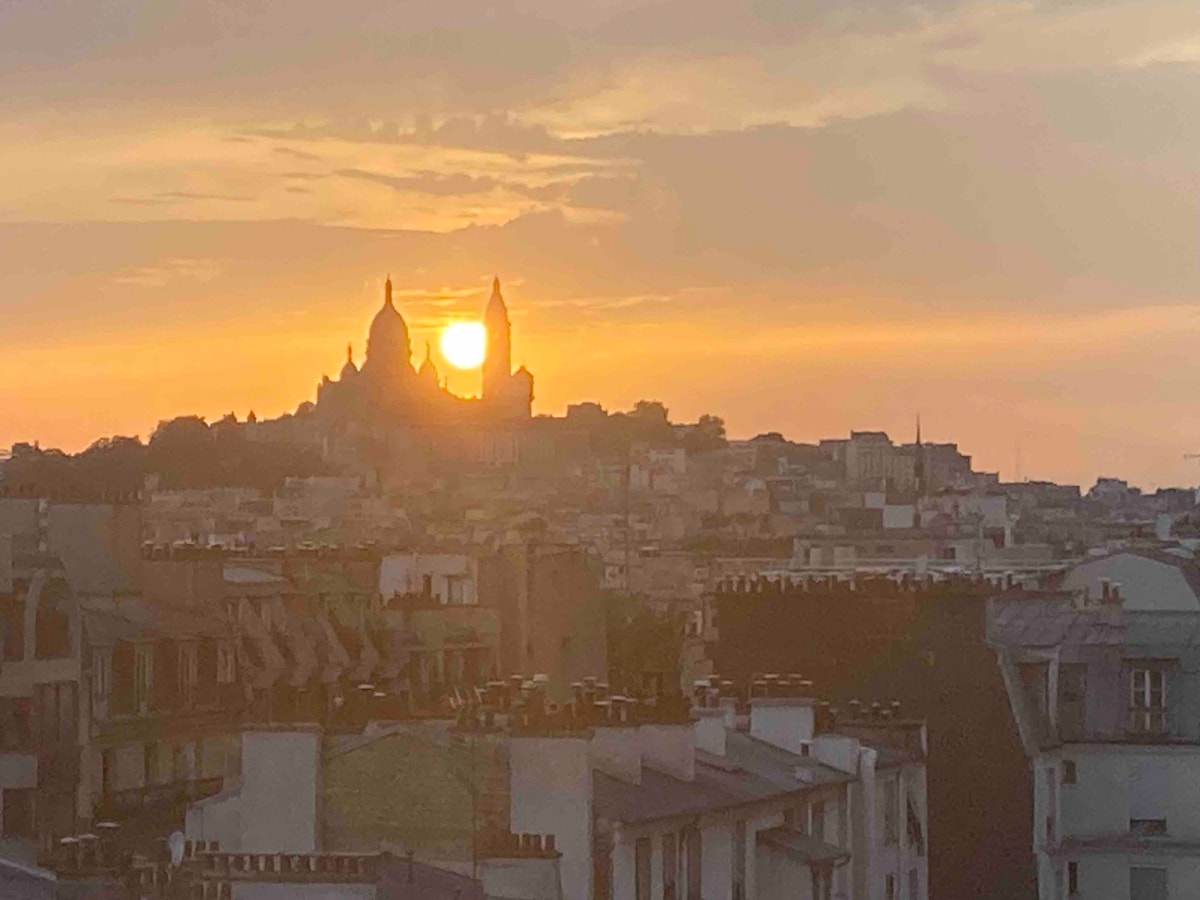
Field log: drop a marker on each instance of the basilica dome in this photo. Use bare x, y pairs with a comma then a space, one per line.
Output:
388, 345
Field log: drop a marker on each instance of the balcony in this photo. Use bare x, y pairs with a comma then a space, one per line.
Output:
214, 709
155, 798
1147, 722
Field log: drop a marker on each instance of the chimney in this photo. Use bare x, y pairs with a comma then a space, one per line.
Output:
728, 706
670, 747
784, 722
617, 751
710, 730
837, 751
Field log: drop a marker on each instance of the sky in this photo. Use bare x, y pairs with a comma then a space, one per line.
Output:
805, 217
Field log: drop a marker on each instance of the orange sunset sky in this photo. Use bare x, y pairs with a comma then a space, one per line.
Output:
803, 217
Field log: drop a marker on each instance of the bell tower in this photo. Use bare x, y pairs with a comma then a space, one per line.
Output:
497, 365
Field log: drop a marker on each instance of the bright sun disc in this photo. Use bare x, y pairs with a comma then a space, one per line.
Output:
464, 344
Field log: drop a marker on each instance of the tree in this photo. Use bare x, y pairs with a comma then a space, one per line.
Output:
706, 435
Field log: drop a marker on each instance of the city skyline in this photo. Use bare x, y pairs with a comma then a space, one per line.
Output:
802, 223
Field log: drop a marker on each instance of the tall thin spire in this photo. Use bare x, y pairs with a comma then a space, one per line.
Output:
497, 362
387, 290
350, 353
919, 463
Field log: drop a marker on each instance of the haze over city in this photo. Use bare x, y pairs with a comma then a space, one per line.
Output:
804, 221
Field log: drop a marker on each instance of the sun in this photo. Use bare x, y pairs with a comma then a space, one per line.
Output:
464, 344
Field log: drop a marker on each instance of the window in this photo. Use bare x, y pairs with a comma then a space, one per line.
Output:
890, 887
1147, 827
1072, 878
225, 663
1147, 884
1069, 773
1148, 701
143, 664
670, 866
916, 833
891, 811
739, 860
101, 675
187, 673
18, 813
694, 862
914, 885
16, 731
817, 811
643, 855
602, 865
1072, 702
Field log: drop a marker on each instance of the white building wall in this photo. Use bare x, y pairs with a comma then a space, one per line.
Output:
716, 854
528, 879
784, 722
275, 808
1114, 784
550, 792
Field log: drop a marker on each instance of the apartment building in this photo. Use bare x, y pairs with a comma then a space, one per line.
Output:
1105, 690
766, 799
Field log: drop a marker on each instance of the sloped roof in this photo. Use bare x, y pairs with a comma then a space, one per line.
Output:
135, 619
1149, 579
1048, 622
750, 771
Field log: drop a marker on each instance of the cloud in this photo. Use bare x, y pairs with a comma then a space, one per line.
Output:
672, 176
293, 153
426, 182
193, 195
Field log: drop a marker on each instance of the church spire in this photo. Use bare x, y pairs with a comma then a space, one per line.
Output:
497, 363
387, 291
428, 370
350, 353
919, 462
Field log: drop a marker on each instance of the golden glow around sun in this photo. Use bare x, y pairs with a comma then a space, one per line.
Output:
464, 344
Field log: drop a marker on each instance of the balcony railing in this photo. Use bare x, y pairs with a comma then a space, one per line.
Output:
1150, 721
129, 802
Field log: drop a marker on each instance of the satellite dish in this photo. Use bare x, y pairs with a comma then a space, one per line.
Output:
176, 842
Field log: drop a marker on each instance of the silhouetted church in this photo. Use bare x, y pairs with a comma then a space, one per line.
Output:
387, 389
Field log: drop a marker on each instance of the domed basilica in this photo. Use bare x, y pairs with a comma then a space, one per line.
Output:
388, 390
